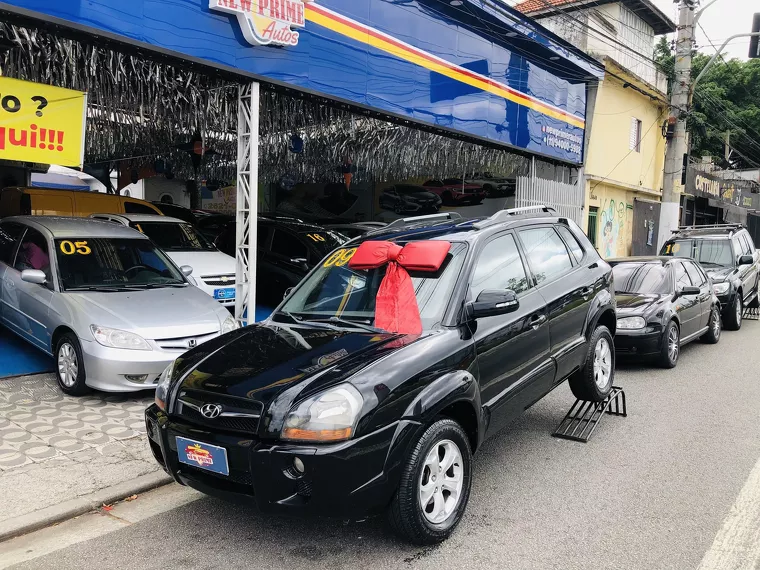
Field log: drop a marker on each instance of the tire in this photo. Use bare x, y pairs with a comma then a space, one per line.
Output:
733, 320
583, 383
406, 514
712, 336
671, 346
70, 372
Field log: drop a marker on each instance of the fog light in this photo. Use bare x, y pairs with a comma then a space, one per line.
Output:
298, 465
136, 378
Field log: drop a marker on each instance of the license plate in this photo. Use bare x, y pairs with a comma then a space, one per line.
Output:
202, 455
226, 293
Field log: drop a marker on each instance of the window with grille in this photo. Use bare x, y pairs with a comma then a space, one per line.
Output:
635, 136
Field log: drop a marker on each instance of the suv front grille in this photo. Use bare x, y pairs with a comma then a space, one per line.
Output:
244, 414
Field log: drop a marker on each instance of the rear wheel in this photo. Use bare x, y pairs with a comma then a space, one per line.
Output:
712, 336
70, 365
593, 382
671, 346
435, 485
734, 316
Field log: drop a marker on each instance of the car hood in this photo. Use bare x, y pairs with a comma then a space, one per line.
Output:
635, 303
718, 274
266, 359
153, 313
205, 263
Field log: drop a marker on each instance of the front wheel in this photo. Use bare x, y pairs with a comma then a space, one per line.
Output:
593, 382
734, 316
435, 485
671, 346
70, 366
712, 336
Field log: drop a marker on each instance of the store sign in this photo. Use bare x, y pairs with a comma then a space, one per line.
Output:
266, 22
41, 124
735, 192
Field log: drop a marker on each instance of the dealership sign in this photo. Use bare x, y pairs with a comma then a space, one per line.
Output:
740, 193
266, 22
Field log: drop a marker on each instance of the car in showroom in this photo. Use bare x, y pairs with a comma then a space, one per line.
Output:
728, 255
110, 307
663, 303
374, 381
409, 199
214, 272
287, 249
494, 186
456, 192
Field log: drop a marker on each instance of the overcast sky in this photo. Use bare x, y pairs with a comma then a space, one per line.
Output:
720, 21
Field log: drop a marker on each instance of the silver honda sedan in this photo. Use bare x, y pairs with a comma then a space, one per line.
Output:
110, 307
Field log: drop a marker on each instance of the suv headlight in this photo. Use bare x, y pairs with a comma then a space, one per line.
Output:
721, 288
162, 389
229, 325
327, 417
114, 338
631, 323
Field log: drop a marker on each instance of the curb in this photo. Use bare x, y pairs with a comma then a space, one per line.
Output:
81, 505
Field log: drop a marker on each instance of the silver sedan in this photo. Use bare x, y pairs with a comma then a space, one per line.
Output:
110, 307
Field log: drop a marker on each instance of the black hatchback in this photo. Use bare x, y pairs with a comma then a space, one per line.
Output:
385, 369
662, 304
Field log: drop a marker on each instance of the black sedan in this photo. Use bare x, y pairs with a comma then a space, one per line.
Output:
662, 304
409, 199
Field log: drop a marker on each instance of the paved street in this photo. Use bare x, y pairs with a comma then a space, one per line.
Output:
649, 491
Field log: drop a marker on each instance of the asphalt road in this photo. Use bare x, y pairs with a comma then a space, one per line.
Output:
650, 491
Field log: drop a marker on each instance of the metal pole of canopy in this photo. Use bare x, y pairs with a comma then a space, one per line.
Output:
247, 202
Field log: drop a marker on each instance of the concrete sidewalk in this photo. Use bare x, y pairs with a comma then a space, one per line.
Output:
61, 456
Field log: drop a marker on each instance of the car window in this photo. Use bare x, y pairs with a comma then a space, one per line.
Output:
289, 246
499, 267
682, 278
747, 249
33, 253
709, 252
171, 236
694, 275
643, 278
433, 183
10, 233
750, 242
137, 208
547, 255
738, 249
701, 272
572, 242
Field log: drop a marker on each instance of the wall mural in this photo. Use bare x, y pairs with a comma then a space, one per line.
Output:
612, 221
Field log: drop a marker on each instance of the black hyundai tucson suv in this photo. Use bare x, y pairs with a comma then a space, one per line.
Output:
319, 410
728, 255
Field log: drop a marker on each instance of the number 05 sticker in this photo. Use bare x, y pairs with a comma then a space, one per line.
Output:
70, 248
340, 257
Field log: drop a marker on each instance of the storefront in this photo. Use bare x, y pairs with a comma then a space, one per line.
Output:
709, 199
370, 90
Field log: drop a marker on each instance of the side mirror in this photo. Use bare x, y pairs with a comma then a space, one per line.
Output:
186, 270
493, 302
689, 291
300, 262
746, 260
34, 276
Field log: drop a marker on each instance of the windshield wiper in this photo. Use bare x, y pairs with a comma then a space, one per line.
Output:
141, 286
102, 289
338, 320
300, 321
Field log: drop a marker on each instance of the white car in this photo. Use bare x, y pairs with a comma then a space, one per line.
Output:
213, 271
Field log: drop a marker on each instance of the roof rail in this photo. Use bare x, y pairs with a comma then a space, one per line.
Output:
735, 225
504, 215
403, 222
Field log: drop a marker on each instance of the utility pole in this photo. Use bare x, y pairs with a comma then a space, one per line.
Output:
676, 128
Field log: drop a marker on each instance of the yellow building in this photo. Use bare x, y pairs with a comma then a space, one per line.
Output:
625, 157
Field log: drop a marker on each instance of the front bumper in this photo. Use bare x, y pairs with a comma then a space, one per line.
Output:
209, 290
351, 479
726, 302
640, 342
108, 369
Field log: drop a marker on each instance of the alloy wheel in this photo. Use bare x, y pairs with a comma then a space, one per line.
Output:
738, 310
716, 322
68, 366
673, 344
441, 481
602, 363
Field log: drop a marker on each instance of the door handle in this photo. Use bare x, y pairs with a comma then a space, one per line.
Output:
586, 293
537, 320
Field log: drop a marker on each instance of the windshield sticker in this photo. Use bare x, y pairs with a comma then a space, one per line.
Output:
70, 248
340, 258
676, 247
316, 237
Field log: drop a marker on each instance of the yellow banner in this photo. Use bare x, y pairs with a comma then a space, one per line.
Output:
40, 123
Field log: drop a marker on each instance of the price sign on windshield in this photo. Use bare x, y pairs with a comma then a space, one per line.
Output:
340, 258
76, 247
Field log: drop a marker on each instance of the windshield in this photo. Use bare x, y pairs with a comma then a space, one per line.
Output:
113, 263
643, 278
707, 251
334, 290
173, 236
325, 240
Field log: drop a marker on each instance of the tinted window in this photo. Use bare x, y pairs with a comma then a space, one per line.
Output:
137, 208
694, 275
499, 267
746, 241
323, 240
709, 252
750, 242
409, 189
455, 181
33, 253
174, 237
682, 278
572, 242
10, 233
434, 183
288, 245
547, 254
644, 278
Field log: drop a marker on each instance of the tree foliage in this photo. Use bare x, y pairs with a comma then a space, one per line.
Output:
726, 100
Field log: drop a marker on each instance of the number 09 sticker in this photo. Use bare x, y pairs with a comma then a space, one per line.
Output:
79, 247
340, 258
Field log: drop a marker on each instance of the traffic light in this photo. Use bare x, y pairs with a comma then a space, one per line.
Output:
754, 41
